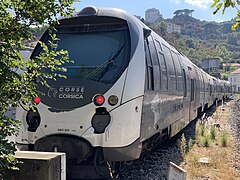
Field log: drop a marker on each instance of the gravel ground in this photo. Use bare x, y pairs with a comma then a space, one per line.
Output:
235, 128
155, 165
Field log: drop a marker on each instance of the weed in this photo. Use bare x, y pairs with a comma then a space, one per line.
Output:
213, 133
190, 145
224, 138
183, 146
206, 141
202, 130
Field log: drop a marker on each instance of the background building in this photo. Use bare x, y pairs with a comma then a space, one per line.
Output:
228, 66
173, 28
152, 15
211, 65
234, 78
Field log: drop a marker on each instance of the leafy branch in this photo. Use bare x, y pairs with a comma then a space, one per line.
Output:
17, 17
224, 4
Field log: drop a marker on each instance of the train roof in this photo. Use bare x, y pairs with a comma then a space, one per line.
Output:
92, 11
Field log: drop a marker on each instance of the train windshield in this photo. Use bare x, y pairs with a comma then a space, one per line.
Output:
100, 54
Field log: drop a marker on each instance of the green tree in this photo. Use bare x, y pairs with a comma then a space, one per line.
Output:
161, 27
232, 68
16, 19
222, 51
224, 4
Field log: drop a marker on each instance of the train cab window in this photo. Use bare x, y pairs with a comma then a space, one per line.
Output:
150, 82
100, 52
171, 69
178, 71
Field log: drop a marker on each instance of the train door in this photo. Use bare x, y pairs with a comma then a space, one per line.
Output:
197, 86
151, 104
192, 108
203, 91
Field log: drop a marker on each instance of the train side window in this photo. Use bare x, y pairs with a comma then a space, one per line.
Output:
211, 90
200, 80
178, 72
171, 68
150, 82
192, 89
155, 63
164, 77
203, 82
158, 44
197, 80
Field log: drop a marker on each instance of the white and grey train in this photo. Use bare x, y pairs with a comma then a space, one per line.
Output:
126, 89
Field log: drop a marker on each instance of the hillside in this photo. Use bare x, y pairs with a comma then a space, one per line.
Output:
201, 39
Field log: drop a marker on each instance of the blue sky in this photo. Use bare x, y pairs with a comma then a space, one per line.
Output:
201, 8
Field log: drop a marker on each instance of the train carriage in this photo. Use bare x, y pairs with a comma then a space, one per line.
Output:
126, 90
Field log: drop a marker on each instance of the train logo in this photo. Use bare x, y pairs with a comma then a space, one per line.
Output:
52, 92
66, 92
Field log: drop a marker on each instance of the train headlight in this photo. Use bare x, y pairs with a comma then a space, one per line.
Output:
99, 100
37, 100
113, 100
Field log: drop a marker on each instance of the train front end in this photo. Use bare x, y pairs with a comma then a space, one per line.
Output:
95, 113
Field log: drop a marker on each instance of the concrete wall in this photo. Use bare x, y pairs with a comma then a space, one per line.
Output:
39, 166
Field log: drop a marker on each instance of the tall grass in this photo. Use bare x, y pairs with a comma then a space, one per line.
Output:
224, 138
183, 145
190, 144
213, 133
205, 141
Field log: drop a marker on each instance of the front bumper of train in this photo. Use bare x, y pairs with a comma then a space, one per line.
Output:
78, 150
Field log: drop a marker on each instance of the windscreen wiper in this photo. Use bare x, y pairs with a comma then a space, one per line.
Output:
107, 64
